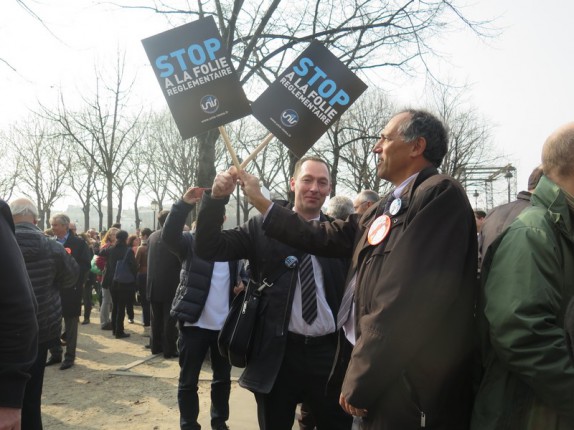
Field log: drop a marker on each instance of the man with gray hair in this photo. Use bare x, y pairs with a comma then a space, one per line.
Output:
72, 297
408, 309
50, 269
364, 200
340, 207
528, 281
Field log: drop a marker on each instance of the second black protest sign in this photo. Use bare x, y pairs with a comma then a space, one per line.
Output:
308, 97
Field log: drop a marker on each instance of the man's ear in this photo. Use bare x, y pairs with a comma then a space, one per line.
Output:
418, 147
292, 184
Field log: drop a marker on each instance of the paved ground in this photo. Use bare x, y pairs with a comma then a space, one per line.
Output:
118, 384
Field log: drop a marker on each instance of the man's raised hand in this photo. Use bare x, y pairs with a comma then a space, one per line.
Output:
193, 195
224, 183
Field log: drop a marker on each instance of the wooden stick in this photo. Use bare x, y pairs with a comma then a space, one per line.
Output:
230, 148
257, 150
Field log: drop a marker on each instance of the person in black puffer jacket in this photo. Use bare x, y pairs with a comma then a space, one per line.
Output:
50, 269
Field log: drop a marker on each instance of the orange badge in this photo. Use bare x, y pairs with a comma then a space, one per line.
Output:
379, 230
68, 250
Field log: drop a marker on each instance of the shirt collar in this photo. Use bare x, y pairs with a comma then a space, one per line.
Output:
64, 239
399, 190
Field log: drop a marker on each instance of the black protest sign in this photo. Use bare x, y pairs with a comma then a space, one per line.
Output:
309, 96
196, 76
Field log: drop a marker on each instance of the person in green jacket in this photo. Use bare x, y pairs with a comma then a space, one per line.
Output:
528, 280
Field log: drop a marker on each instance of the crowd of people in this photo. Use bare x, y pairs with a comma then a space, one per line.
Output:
403, 311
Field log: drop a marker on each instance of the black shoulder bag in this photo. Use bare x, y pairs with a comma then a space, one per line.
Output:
235, 337
123, 274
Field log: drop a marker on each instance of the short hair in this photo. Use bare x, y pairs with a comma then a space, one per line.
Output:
534, 178
368, 196
23, 207
479, 213
424, 124
117, 225
145, 231
62, 219
340, 207
558, 152
121, 237
300, 162
162, 216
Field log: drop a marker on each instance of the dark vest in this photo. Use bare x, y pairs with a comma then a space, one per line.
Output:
193, 288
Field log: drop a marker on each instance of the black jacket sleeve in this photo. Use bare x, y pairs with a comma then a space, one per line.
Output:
18, 324
171, 233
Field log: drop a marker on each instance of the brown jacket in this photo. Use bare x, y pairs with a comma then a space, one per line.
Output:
414, 303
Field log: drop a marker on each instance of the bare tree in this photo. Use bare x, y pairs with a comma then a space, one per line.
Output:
10, 162
138, 164
98, 199
469, 133
81, 178
44, 159
350, 142
265, 37
103, 121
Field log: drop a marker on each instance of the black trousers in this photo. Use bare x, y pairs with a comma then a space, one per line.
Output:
163, 336
303, 378
32, 404
87, 295
121, 296
194, 342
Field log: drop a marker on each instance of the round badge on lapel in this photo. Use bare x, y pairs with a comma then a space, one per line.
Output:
395, 206
379, 230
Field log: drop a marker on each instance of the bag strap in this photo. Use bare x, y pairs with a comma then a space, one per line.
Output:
126, 256
289, 263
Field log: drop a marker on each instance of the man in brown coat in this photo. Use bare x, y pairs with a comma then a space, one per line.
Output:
413, 272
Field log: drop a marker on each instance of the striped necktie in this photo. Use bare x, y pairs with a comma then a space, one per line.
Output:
308, 290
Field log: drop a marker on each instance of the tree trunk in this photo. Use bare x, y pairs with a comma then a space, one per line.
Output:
86, 210
120, 204
206, 162
110, 187
137, 213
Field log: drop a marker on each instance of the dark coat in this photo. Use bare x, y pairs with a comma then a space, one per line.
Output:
163, 269
51, 270
265, 256
196, 273
498, 219
72, 297
18, 325
114, 254
414, 303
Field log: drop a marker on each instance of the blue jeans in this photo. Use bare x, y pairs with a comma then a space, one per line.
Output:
193, 345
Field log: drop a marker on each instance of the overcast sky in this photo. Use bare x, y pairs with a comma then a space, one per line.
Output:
521, 81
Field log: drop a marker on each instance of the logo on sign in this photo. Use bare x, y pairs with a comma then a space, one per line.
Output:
209, 104
289, 118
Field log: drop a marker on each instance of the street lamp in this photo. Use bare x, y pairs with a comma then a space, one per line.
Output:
508, 177
475, 195
154, 207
